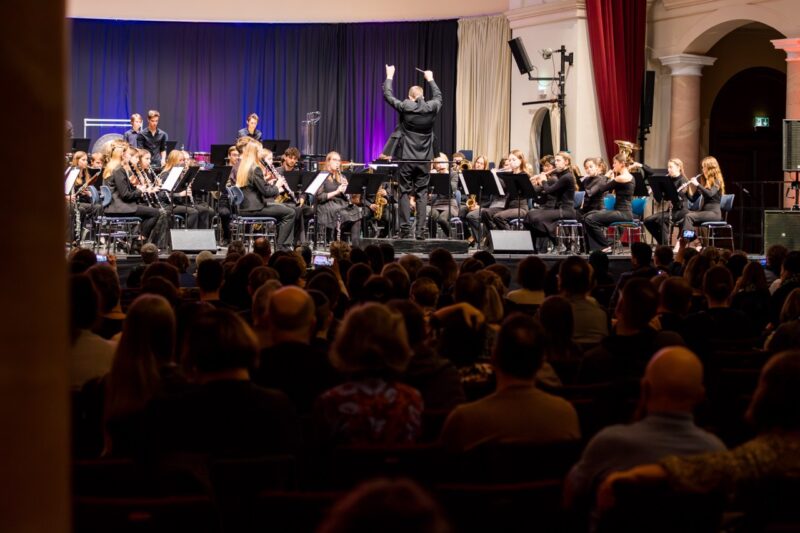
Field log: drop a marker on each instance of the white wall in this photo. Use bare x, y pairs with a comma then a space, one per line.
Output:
275, 11
550, 25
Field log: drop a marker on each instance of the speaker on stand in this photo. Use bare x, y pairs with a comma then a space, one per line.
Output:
791, 158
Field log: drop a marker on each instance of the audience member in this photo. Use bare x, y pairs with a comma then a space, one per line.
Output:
789, 280
530, 277
106, 283
412, 264
775, 256
224, 415
398, 277
575, 284
262, 248
180, 261
517, 410
641, 267
372, 407
751, 296
90, 355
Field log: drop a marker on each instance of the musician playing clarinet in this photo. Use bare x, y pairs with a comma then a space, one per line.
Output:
413, 139
259, 195
335, 212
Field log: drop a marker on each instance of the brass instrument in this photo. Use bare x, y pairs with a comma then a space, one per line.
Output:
380, 203
626, 149
472, 202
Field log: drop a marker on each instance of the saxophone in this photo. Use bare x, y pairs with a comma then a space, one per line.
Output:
472, 202
380, 203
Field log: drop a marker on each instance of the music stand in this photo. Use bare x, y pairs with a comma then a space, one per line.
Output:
518, 185
211, 180
276, 146
185, 180
219, 154
81, 144
170, 146
664, 189
480, 181
310, 183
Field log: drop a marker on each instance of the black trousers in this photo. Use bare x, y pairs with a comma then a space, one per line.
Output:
413, 178
285, 217
695, 218
596, 223
441, 216
471, 221
500, 219
659, 224
302, 214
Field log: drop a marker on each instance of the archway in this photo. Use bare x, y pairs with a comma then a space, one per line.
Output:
541, 137
748, 155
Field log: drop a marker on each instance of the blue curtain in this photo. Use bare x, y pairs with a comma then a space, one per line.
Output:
206, 78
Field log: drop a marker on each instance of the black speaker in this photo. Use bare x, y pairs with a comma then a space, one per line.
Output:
520, 55
648, 86
791, 145
514, 242
193, 240
782, 227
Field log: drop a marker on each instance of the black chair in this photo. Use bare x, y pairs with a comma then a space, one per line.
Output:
515, 462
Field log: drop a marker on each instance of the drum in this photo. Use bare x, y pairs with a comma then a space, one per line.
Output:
202, 157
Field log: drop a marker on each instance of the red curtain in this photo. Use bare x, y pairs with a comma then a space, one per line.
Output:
616, 38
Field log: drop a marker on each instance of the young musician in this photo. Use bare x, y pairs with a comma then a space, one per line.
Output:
86, 209
659, 224
97, 160
153, 139
593, 183
116, 152
335, 213
443, 207
179, 201
469, 212
516, 163
250, 130
711, 186
131, 136
233, 156
621, 182
259, 196
125, 198
542, 222
303, 210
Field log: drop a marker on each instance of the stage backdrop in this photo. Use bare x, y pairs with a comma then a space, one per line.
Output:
206, 78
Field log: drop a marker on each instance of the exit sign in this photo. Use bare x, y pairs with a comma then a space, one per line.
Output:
761, 122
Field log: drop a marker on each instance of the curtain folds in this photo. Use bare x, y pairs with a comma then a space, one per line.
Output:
483, 90
616, 38
205, 78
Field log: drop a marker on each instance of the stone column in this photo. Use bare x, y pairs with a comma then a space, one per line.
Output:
34, 377
685, 120
792, 49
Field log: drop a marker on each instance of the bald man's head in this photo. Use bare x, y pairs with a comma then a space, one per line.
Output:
291, 311
415, 92
673, 381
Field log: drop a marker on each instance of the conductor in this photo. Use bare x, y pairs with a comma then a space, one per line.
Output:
412, 139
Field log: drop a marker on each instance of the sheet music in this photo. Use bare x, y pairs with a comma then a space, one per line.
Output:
317, 183
463, 183
497, 182
172, 179
69, 183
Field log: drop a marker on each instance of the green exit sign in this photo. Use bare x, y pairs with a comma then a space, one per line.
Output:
761, 122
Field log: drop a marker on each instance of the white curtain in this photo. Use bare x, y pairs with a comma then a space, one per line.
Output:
483, 86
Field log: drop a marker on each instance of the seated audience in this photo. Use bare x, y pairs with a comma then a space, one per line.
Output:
575, 284
180, 261
751, 295
90, 355
517, 411
789, 280
105, 281
224, 415
530, 277
787, 336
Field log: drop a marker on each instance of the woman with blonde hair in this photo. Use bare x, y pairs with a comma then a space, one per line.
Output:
259, 196
661, 222
710, 186
516, 163
335, 213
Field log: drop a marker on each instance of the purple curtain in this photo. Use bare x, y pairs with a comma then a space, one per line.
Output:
616, 37
206, 78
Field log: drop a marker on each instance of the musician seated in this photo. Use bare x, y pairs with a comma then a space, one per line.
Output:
542, 222
469, 212
259, 195
81, 200
335, 212
621, 182
710, 186
127, 191
301, 202
516, 163
443, 207
592, 183
667, 216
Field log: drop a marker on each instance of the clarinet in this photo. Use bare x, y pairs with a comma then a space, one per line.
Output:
77, 213
285, 187
155, 179
140, 185
154, 199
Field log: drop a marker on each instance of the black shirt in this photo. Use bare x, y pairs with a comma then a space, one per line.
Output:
153, 143
244, 133
132, 137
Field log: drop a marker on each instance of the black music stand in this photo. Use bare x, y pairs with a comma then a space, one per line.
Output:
276, 146
219, 154
212, 179
185, 180
518, 185
363, 184
482, 181
664, 189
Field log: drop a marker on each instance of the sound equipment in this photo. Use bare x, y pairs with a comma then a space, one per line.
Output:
514, 242
520, 55
648, 85
411, 246
782, 227
791, 145
193, 240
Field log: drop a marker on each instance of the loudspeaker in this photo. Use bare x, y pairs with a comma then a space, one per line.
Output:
791, 145
782, 227
515, 242
193, 240
648, 85
520, 55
